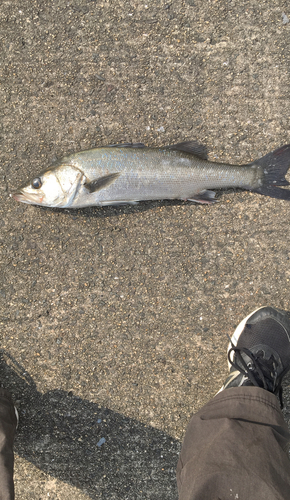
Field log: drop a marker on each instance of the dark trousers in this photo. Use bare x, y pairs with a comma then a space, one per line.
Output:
8, 424
236, 447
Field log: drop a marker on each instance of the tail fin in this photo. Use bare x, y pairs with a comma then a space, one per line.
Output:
275, 165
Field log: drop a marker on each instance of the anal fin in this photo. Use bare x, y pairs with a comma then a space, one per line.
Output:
206, 197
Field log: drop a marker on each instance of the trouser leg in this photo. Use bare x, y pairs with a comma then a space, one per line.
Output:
8, 424
236, 447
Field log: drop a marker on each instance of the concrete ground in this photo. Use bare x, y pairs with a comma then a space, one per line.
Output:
114, 321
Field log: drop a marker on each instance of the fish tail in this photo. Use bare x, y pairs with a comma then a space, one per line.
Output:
275, 165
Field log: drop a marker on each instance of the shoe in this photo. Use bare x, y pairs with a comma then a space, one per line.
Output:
13, 379
259, 351
8, 395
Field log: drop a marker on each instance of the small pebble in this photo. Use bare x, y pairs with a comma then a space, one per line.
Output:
102, 441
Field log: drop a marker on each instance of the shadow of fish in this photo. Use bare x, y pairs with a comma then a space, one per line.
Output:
128, 173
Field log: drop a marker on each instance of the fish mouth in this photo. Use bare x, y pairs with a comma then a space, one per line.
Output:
30, 198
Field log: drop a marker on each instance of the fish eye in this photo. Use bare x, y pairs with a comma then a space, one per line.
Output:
36, 183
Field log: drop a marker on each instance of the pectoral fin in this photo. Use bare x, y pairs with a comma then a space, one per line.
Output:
101, 182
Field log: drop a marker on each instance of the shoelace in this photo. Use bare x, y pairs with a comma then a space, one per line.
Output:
261, 372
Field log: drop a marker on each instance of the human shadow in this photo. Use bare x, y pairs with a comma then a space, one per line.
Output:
102, 452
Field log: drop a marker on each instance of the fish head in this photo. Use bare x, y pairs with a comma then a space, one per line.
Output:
54, 187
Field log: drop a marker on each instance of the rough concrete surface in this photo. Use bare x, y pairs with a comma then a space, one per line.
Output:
117, 318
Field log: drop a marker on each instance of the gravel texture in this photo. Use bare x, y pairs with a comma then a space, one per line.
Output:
118, 317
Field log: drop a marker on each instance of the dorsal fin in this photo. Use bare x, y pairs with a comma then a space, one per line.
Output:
191, 147
126, 145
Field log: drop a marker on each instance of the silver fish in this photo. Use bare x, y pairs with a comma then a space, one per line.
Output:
127, 173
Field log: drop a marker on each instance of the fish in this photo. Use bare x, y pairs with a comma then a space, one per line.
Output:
129, 173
